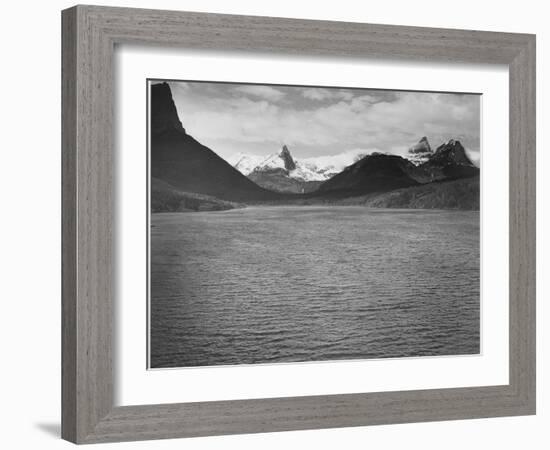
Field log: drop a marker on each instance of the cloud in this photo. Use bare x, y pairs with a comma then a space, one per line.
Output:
474, 156
321, 94
266, 92
232, 118
340, 160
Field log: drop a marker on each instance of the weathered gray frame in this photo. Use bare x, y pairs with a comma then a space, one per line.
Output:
89, 36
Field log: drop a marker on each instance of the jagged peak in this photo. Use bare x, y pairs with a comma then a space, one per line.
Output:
422, 146
451, 144
287, 158
164, 115
452, 151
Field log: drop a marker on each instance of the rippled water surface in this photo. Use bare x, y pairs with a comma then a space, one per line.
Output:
281, 284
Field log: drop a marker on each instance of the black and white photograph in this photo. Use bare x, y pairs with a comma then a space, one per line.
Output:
311, 223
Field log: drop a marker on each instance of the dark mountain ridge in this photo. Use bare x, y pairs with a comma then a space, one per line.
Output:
451, 151
382, 172
373, 173
164, 115
187, 165
448, 162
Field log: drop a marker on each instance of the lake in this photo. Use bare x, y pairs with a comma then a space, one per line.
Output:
287, 284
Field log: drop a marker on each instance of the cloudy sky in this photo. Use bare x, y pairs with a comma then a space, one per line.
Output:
258, 119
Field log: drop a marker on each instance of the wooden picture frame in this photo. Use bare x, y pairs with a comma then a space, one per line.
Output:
89, 37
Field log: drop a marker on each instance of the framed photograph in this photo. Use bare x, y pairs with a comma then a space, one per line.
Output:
277, 224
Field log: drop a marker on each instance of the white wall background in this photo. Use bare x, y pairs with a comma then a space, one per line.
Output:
30, 236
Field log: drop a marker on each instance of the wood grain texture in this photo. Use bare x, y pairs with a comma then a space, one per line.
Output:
89, 36
68, 224
523, 223
87, 241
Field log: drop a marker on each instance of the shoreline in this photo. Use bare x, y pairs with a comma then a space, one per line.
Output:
323, 206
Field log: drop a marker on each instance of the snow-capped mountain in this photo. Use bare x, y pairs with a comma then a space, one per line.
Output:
278, 161
330, 165
244, 162
281, 172
319, 168
420, 152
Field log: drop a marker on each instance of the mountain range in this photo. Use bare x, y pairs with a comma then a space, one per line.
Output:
186, 175
379, 172
282, 172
